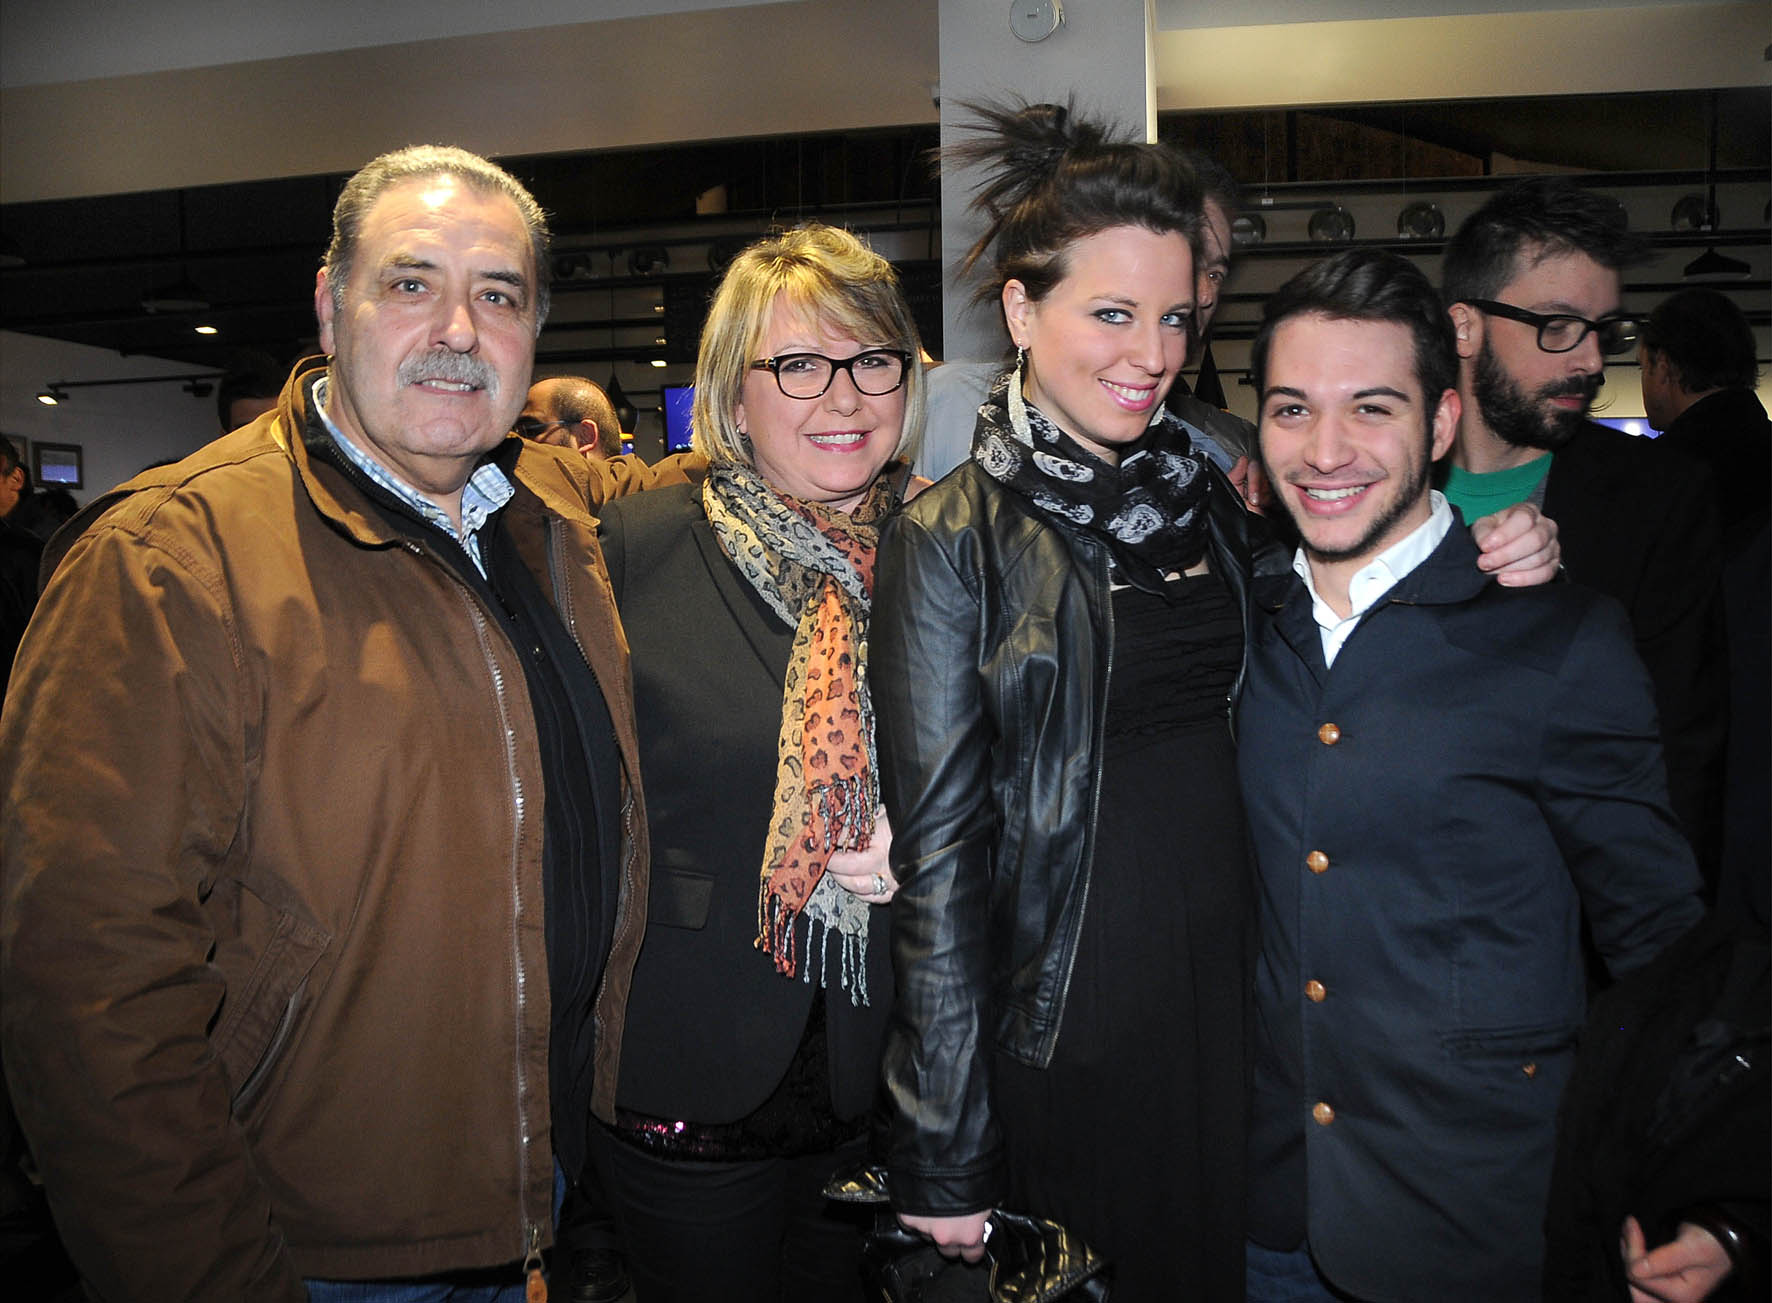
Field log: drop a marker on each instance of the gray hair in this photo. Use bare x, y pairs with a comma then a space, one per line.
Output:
421, 161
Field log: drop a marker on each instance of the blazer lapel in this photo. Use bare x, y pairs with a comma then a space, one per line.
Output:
768, 639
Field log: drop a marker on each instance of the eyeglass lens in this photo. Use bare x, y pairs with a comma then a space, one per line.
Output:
808, 375
1561, 334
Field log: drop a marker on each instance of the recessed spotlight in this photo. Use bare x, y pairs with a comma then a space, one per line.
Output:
1421, 220
1331, 225
1248, 230
660, 362
205, 330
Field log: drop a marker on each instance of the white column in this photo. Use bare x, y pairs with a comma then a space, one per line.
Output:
1102, 55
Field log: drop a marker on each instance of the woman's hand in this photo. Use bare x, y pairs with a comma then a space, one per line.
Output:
867, 873
1518, 545
956, 1237
1685, 1269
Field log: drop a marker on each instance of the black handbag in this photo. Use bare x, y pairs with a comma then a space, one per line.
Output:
1026, 1259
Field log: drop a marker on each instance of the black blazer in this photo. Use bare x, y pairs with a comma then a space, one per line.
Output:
1639, 523
711, 1025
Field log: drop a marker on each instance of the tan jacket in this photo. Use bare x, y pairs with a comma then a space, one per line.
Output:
273, 982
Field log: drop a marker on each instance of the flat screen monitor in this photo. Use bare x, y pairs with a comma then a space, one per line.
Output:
678, 400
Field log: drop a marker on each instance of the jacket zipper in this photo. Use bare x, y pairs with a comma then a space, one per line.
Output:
531, 1229
1105, 588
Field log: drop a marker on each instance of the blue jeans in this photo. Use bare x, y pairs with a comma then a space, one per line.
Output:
463, 1287
1276, 1276
499, 1285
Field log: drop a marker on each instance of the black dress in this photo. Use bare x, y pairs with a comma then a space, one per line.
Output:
1134, 1136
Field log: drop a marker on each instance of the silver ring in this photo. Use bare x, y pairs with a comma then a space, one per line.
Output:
879, 884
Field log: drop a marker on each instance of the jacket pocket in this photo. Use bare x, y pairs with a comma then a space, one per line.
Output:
679, 898
260, 1016
1511, 1042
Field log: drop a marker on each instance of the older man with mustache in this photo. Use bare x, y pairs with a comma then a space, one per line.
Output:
1533, 283
324, 859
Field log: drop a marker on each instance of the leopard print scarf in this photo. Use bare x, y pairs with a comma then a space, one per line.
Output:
815, 567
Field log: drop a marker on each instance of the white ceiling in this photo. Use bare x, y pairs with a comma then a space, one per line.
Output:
48, 42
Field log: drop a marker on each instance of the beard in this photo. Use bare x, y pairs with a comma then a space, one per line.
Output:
1410, 487
1528, 420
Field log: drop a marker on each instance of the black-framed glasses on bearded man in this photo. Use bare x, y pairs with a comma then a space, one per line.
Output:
1562, 332
807, 375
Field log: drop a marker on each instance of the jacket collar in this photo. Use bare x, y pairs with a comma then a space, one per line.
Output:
1448, 576
339, 492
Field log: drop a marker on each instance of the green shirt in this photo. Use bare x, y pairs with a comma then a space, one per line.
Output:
1478, 495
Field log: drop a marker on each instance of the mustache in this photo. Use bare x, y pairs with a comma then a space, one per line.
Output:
1583, 387
443, 364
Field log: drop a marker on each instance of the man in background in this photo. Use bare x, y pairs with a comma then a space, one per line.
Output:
571, 412
1202, 405
1533, 286
20, 552
1698, 390
1697, 355
246, 393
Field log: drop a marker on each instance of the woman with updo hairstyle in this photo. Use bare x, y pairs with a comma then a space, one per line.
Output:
751, 1053
1057, 656
1058, 639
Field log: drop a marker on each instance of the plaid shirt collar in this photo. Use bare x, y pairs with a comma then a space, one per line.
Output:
487, 489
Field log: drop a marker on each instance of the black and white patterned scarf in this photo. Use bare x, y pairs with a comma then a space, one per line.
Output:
1150, 510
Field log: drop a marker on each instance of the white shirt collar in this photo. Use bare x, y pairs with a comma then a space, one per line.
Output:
1376, 578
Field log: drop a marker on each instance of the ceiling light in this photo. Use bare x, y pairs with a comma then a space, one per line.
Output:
648, 260
659, 361
52, 395
1421, 220
722, 251
183, 295
1331, 225
1694, 213
1247, 230
205, 330
1711, 263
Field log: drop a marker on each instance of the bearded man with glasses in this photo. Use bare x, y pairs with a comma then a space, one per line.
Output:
1533, 280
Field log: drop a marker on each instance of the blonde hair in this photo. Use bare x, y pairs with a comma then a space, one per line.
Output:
830, 277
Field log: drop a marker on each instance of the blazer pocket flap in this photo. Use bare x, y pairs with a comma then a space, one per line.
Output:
1511, 1042
679, 898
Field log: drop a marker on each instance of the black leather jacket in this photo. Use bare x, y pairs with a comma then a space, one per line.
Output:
990, 654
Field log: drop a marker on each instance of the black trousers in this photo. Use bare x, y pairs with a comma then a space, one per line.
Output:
751, 1232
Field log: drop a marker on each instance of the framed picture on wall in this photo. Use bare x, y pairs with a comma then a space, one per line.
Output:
57, 465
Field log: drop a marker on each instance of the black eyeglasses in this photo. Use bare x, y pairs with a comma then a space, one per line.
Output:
530, 428
1561, 332
807, 375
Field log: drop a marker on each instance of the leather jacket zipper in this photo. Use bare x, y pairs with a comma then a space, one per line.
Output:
1105, 588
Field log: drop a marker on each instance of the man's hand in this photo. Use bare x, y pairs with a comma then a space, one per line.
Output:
1249, 480
1518, 546
1685, 1269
